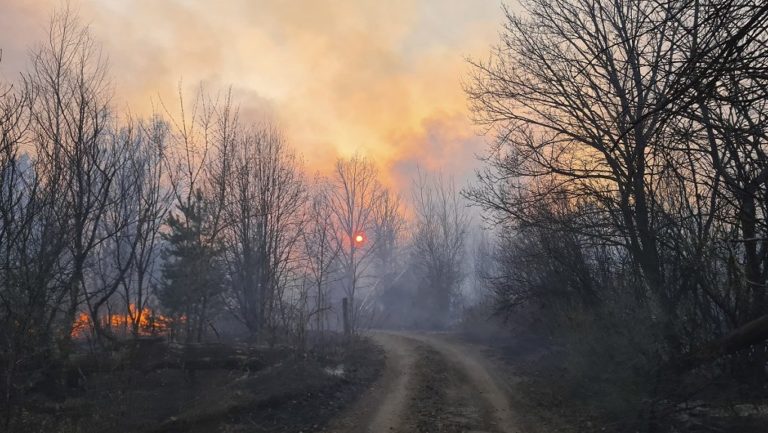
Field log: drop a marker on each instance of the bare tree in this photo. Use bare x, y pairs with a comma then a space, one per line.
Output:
354, 195
320, 251
125, 261
631, 135
113, 257
582, 111
264, 203
57, 195
388, 229
153, 203
389, 255
439, 234
27, 260
72, 126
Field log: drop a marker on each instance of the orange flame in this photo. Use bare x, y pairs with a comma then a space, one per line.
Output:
148, 322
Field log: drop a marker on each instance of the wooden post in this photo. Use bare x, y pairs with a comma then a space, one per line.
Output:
345, 316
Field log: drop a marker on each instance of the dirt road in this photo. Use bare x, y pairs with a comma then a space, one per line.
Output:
430, 384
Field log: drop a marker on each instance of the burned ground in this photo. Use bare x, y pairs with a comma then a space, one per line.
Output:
549, 396
270, 390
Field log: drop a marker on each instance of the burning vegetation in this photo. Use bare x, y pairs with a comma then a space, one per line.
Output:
135, 322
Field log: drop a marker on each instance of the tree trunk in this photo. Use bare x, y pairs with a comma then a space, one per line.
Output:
345, 316
753, 333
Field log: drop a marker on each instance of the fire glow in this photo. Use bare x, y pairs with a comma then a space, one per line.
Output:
149, 323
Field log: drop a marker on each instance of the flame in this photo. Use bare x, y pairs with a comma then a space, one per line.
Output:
149, 323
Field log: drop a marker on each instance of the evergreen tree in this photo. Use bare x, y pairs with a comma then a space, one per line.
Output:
192, 277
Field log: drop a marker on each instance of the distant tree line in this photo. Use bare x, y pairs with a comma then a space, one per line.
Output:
628, 183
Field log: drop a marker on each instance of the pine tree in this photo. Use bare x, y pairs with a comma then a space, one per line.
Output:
192, 277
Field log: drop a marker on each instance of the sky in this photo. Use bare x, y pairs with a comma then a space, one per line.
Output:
380, 78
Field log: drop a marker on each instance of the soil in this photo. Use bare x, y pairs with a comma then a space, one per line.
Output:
431, 383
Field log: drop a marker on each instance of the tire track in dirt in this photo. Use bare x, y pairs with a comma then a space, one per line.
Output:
430, 384
381, 409
479, 372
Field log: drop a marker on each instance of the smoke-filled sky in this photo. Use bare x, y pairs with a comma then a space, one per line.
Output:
379, 77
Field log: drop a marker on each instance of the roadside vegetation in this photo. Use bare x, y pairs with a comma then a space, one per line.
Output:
625, 193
